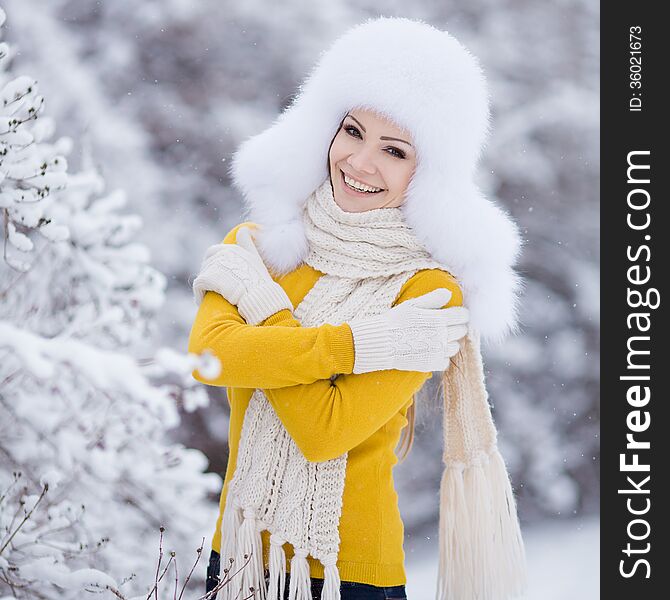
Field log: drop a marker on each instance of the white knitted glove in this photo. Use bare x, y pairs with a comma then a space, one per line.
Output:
237, 272
415, 335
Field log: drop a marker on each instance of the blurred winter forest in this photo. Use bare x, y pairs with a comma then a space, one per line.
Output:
130, 112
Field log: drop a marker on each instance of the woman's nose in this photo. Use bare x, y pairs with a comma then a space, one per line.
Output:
362, 162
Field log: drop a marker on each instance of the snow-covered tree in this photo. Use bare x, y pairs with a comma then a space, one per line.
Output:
167, 89
88, 474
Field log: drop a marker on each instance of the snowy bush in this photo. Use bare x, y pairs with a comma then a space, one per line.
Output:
88, 475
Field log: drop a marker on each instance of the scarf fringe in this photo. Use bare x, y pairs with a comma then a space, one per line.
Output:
277, 583
300, 584
240, 535
482, 555
230, 524
243, 543
331, 582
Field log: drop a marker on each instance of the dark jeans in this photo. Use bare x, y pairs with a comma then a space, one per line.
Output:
349, 590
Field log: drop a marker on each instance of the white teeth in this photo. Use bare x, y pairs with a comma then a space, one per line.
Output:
361, 187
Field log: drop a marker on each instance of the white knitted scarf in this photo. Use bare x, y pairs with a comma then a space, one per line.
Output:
366, 258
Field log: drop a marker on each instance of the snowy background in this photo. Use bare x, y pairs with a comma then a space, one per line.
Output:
139, 107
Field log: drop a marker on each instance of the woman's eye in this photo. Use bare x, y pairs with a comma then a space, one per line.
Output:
350, 128
394, 151
398, 153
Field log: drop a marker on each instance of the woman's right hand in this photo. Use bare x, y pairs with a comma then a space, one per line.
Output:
237, 272
415, 335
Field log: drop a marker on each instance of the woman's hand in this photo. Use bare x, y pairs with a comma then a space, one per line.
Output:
415, 335
237, 272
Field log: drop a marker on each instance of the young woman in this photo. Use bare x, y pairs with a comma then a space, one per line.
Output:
370, 236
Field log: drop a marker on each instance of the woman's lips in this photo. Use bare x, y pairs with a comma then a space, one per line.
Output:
354, 192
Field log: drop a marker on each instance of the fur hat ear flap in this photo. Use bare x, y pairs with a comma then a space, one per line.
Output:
477, 242
282, 246
494, 285
276, 171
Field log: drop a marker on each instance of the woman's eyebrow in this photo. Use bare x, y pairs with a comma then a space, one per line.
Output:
383, 137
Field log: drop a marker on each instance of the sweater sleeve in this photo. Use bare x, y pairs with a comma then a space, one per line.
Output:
277, 353
327, 418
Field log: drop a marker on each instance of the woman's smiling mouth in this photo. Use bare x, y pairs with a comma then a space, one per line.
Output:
354, 191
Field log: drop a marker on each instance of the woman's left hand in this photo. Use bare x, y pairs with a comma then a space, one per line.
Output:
238, 273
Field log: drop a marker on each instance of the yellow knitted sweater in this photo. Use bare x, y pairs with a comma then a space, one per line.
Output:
362, 414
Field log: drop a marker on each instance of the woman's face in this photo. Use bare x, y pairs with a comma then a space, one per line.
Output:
374, 152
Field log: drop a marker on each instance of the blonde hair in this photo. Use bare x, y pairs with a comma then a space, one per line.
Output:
407, 437
408, 431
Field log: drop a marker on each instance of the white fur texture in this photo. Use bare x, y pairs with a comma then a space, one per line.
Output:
426, 82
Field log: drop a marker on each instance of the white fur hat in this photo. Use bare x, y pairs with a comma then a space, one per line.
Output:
426, 82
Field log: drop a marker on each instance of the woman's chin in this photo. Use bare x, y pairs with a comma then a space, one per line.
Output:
346, 205
349, 204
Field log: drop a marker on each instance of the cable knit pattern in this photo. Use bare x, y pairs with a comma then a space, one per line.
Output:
366, 258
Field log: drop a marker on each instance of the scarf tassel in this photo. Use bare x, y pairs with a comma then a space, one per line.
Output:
247, 570
277, 583
481, 549
230, 524
331, 582
300, 584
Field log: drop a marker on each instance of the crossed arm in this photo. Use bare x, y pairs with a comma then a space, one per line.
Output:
293, 365
279, 352
275, 354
